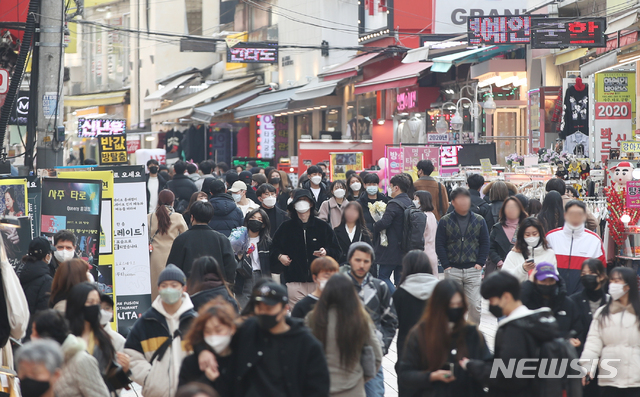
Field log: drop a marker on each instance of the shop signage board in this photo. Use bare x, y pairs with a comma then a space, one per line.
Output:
413, 154
633, 195
94, 128
451, 16
616, 87
407, 100
396, 160
281, 131
266, 136
20, 109
438, 138
612, 127
253, 53
630, 147
340, 163
133, 145
510, 29
144, 155
113, 150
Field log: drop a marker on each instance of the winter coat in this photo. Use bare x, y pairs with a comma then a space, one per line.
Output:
160, 377
409, 300
331, 212
226, 214
182, 187
200, 241
322, 196
293, 240
563, 308
200, 182
479, 206
413, 373
430, 232
592, 223
190, 372
393, 222
438, 192
276, 217
301, 360
499, 244
581, 301
495, 207
456, 250
572, 249
162, 245
364, 202
162, 183
518, 337
80, 375
345, 241
205, 296
264, 256
514, 261
36, 284
618, 338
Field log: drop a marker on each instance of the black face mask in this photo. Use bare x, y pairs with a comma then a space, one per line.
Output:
33, 388
254, 225
267, 321
274, 181
455, 314
548, 290
153, 169
496, 311
91, 313
589, 281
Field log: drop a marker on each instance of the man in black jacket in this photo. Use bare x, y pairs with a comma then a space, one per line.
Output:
371, 183
226, 214
478, 205
390, 257
200, 241
315, 185
181, 186
155, 184
267, 198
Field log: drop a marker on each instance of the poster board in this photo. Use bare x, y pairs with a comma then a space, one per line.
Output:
341, 162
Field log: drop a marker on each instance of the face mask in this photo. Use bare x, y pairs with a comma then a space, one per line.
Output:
589, 281
254, 225
371, 190
218, 343
355, 186
267, 322
574, 228
548, 290
302, 206
91, 313
617, 291
153, 169
496, 311
316, 179
236, 197
63, 255
170, 295
455, 314
204, 200
339, 193
269, 201
105, 317
323, 284
33, 388
274, 181
289, 200
416, 203
532, 241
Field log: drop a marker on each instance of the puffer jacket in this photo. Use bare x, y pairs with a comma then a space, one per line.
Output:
158, 373
514, 261
80, 374
36, 284
618, 338
226, 214
182, 187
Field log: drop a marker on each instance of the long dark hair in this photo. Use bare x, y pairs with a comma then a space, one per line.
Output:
503, 213
68, 275
165, 198
206, 271
416, 261
433, 331
426, 201
264, 233
521, 245
631, 279
353, 325
596, 267
338, 182
75, 315
552, 213
360, 222
350, 181
193, 199
534, 207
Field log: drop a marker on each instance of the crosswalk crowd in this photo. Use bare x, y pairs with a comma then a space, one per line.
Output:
329, 276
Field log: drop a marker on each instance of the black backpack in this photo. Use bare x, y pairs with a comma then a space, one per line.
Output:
413, 226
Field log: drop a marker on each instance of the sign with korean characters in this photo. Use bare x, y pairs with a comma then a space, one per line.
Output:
633, 194
413, 154
612, 127
340, 163
395, 161
618, 87
94, 128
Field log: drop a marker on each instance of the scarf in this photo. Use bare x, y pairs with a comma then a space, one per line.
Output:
510, 228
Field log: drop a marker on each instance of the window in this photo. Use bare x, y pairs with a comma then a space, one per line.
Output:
194, 16
332, 120
360, 114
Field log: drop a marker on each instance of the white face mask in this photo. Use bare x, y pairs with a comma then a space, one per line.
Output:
218, 343
204, 200
339, 193
617, 291
236, 197
269, 201
532, 241
355, 186
372, 190
302, 206
316, 179
63, 255
105, 317
416, 203
289, 200
322, 284
574, 228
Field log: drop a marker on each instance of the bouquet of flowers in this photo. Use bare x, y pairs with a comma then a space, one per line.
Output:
377, 210
239, 239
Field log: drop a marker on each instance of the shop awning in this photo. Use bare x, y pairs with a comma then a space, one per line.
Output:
571, 55
185, 108
443, 64
405, 75
598, 64
98, 99
622, 22
347, 69
267, 103
207, 112
315, 89
169, 87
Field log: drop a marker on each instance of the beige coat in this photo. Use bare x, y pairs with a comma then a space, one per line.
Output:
162, 245
617, 339
331, 212
80, 373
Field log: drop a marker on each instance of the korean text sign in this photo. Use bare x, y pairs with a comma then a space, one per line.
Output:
633, 194
612, 126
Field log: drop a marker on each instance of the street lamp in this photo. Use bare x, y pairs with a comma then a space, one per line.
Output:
442, 126
456, 120
489, 105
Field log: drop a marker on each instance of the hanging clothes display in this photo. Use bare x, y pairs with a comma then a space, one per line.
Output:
359, 126
173, 143
412, 131
578, 144
194, 144
576, 110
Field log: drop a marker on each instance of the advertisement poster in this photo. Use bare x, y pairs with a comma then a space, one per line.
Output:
113, 150
613, 125
131, 243
617, 87
413, 154
633, 195
340, 163
394, 157
13, 202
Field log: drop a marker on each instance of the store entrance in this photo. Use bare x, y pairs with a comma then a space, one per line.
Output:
509, 132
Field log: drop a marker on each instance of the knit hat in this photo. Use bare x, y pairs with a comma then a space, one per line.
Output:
360, 246
172, 273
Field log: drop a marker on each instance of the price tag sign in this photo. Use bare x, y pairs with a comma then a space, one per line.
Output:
485, 165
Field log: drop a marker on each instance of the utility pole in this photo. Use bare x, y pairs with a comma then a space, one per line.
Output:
48, 101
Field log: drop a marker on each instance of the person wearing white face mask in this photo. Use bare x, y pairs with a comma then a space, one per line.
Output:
298, 242
34, 275
239, 194
321, 270
64, 242
354, 182
106, 317
267, 196
615, 335
573, 244
212, 330
315, 185
531, 248
331, 210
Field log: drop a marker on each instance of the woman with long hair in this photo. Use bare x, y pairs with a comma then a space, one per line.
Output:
331, 210
343, 326
197, 196
12, 208
503, 233
552, 213
165, 225
68, 275
498, 192
531, 248
355, 187
206, 282
615, 335
257, 256
280, 180
83, 315
429, 363
424, 202
352, 229
534, 208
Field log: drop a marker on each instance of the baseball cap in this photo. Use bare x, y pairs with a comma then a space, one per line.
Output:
546, 270
270, 293
40, 246
237, 186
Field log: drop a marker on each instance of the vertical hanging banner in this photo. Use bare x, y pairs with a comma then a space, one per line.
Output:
13, 202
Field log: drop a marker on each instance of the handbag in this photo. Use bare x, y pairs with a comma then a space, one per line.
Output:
244, 268
116, 378
368, 362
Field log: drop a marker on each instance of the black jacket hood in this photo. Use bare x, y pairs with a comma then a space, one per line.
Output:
33, 270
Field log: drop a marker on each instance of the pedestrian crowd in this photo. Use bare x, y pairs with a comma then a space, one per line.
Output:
331, 273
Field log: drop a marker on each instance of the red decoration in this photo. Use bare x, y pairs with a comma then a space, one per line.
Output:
616, 203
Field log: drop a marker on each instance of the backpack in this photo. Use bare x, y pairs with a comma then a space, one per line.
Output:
413, 226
